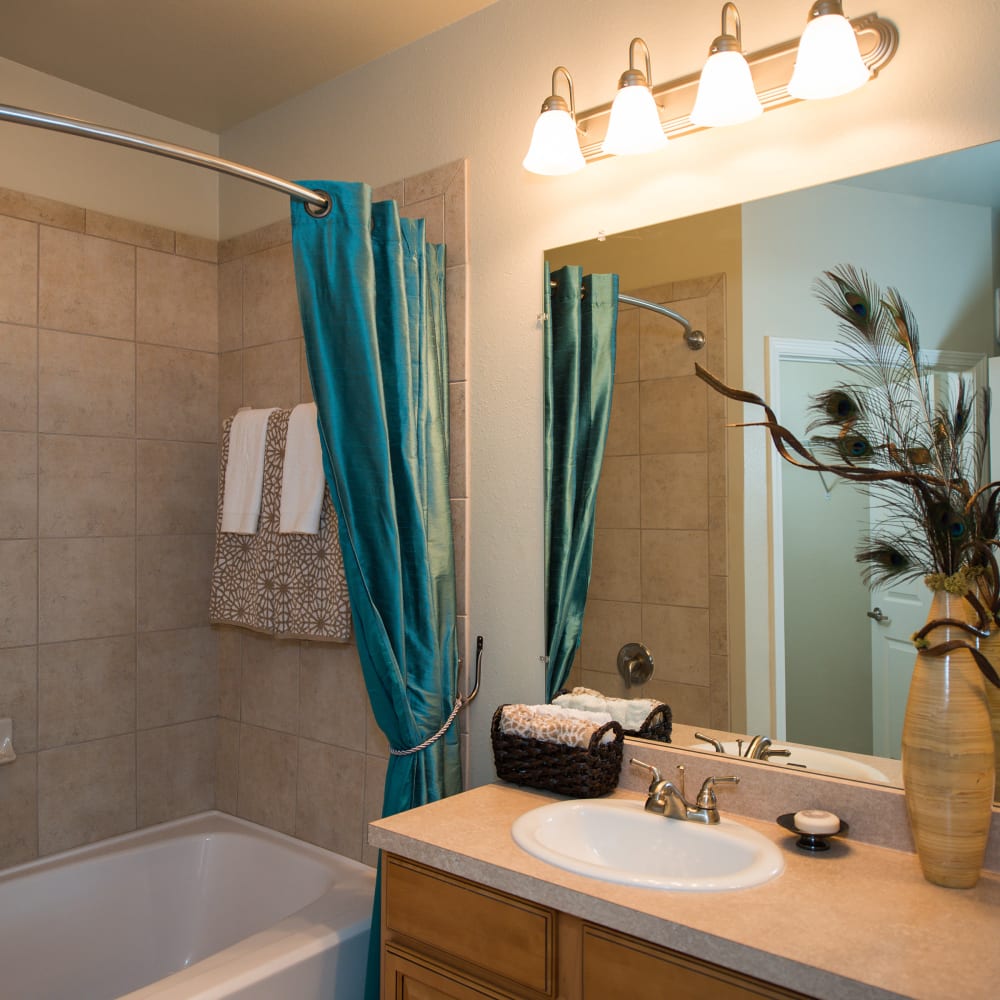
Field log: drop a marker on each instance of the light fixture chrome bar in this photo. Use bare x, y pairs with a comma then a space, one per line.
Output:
771, 67
695, 339
316, 201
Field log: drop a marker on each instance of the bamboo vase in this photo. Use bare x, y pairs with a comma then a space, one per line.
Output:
948, 770
989, 646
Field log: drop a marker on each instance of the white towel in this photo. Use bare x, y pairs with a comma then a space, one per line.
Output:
245, 472
302, 478
630, 712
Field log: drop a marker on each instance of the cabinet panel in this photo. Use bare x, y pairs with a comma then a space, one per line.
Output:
491, 934
618, 965
406, 976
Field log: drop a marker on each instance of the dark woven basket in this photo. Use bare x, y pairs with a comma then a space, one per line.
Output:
657, 726
583, 772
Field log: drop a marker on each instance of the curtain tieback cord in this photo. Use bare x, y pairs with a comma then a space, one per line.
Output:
460, 702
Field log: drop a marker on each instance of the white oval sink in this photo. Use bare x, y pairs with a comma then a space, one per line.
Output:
618, 841
810, 759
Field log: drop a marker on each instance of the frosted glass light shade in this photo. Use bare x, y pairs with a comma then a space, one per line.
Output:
635, 123
829, 62
554, 148
726, 94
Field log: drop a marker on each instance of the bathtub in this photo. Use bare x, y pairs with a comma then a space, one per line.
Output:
199, 908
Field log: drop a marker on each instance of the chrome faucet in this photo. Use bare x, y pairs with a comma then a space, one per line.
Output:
665, 798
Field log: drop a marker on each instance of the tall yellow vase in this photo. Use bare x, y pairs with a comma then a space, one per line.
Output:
989, 646
948, 763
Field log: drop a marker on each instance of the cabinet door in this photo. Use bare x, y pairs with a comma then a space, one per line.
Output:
408, 976
501, 940
615, 965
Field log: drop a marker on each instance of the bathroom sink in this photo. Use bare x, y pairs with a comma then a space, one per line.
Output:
811, 759
618, 841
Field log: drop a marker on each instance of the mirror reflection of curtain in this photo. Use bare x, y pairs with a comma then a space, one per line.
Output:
581, 319
371, 296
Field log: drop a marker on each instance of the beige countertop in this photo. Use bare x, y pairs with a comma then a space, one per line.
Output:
856, 922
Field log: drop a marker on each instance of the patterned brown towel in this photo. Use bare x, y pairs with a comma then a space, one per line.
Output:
289, 586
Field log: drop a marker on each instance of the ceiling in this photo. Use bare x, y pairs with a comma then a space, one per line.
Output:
213, 63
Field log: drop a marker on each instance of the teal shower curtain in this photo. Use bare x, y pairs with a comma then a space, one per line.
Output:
371, 297
581, 320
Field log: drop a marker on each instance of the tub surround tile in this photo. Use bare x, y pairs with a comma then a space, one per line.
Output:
230, 386
436, 181
271, 374
198, 247
663, 352
332, 695
18, 271
177, 391
177, 677
606, 625
459, 509
86, 792
86, 385
178, 301
140, 234
227, 764
675, 491
456, 409
270, 301
432, 212
18, 485
175, 771
176, 485
19, 809
18, 378
174, 580
376, 745
86, 284
675, 568
618, 493
623, 423
270, 684
86, 588
18, 592
230, 647
264, 238
231, 305
678, 641
268, 766
34, 208
19, 696
86, 690
86, 486
614, 574
673, 416
330, 797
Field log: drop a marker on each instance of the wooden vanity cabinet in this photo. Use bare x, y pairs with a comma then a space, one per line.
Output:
446, 938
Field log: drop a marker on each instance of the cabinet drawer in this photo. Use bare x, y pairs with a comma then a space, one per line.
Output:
618, 965
499, 938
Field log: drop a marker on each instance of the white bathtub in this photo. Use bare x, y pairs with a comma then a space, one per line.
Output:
204, 907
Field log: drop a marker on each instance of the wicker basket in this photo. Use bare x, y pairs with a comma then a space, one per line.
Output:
657, 726
583, 772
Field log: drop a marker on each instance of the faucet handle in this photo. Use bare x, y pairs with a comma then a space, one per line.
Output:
706, 797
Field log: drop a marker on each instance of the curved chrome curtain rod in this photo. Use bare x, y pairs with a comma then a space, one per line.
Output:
317, 203
695, 339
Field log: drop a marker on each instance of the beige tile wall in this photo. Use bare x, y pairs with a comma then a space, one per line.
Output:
108, 380
660, 569
298, 748
122, 347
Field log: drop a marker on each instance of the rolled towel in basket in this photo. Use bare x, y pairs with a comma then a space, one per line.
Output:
630, 712
554, 724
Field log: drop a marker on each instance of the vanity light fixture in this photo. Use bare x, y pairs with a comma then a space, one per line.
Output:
726, 94
555, 148
635, 121
834, 56
829, 62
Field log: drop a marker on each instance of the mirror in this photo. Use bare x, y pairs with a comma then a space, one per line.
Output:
688, 546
